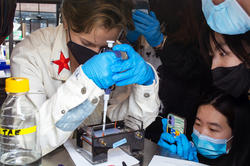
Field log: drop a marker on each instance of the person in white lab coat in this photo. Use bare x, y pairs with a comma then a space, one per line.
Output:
67, 75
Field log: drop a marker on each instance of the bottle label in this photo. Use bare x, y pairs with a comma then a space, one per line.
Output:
13, 132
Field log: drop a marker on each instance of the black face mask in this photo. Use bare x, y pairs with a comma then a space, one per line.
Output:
233, 80
81, 53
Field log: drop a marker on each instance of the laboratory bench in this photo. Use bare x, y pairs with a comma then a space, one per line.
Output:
61, 156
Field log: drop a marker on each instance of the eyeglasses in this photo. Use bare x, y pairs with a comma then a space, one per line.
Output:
122, 36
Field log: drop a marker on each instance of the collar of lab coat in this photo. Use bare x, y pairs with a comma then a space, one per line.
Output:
59, 45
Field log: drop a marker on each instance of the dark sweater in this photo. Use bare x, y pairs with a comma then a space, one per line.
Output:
183, 77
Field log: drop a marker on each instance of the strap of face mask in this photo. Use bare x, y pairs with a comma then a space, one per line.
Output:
230, 138
228, 150
69, 33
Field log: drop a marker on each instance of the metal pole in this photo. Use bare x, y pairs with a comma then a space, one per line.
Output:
57, 13
11, 42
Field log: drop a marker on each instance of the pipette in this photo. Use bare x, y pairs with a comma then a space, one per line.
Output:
123, 56
105, 108
107, 93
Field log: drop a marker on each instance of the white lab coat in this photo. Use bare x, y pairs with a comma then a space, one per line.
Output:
56, 93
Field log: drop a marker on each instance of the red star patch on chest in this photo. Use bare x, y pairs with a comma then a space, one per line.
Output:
62, 63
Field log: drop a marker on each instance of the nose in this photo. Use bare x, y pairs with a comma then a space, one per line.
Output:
203, 131
217, 59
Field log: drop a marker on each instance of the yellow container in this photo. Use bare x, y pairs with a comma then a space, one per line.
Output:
16, 85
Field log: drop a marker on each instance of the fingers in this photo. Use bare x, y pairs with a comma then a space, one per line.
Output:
152, 14
141, 28
167, 142
164, 124
183, 146
125, 48
140, 20
143, 18
193, 152
168, 137
121, 66
124, 72
109, 56
179, 146
129, 81
186, 146
195, 157
129, 74
190, 156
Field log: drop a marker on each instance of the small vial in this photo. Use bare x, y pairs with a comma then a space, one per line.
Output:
110, 43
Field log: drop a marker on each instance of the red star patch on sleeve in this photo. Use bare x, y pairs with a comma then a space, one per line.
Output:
62, 63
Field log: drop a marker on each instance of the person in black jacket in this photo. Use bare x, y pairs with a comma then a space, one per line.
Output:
7, 13
184, 74
228, 57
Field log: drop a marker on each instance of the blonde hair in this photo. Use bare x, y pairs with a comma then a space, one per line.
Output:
84, 15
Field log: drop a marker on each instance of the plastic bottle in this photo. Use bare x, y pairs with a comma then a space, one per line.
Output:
19, 141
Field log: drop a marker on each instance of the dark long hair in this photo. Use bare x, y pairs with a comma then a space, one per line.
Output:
181, 19
7, 13
234, 42
237, 113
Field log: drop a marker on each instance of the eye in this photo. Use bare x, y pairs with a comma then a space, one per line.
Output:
87, 44
213, 130
222, 52
197, 124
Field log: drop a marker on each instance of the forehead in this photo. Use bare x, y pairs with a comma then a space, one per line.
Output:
208, 114
100, 35
219, 39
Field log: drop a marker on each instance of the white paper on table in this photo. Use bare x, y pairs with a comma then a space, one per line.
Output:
167, 161
115, 157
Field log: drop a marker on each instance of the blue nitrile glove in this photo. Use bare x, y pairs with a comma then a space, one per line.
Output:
193, 153
164, 122
167, 140
132, 36
98, 69
149, 26
186, 149
134, 70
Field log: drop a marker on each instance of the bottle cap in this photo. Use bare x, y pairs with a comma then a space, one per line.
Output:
16, 85
110, 43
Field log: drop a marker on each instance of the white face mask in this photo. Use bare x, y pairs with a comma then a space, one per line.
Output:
226, 18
